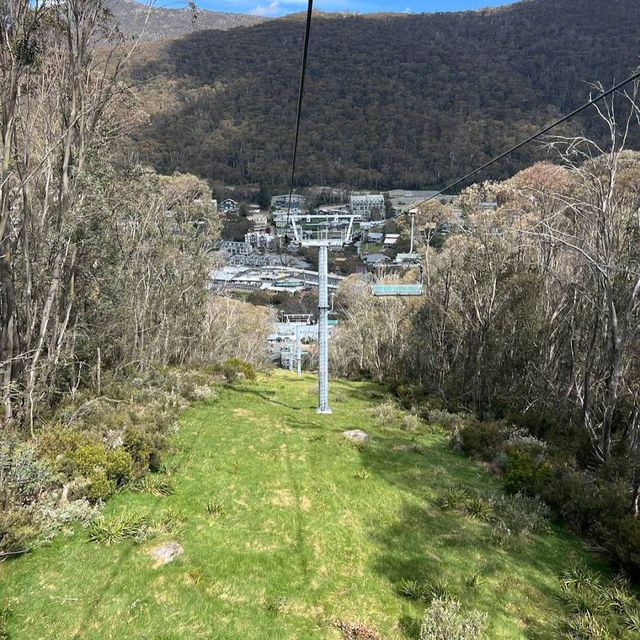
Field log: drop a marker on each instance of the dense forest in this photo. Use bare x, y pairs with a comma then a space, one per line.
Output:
410, 100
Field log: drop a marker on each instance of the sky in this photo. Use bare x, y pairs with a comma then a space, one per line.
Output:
274, 8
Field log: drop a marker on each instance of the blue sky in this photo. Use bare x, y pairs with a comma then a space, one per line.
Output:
282, 7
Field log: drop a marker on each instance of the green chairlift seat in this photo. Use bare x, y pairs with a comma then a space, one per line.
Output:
400, 289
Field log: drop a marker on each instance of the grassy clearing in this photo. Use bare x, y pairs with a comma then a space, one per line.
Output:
286, 529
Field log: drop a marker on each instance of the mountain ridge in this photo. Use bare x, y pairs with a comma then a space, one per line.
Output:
149, 22
404, 101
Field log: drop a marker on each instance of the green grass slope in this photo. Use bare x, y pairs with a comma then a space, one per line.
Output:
312, 530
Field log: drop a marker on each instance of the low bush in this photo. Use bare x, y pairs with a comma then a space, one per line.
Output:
444, 620
410, 422
482, 440
234, 369
385, 413
525, 472
446, 420
521, 514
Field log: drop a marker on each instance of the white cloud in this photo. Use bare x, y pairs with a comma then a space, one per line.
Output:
271, 9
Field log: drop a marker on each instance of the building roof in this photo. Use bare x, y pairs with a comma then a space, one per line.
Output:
375, 258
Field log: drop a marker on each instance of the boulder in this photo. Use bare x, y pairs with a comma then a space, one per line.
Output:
356, 435
165, 553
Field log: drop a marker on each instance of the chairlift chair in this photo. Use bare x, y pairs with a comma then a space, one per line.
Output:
402, 289
398, 289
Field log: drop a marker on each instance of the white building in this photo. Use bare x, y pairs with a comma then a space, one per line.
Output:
369, 206
259, 239
258, 220
235, 248
282, 201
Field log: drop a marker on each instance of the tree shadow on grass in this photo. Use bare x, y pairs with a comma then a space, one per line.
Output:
515, 583
94, 608
266, 396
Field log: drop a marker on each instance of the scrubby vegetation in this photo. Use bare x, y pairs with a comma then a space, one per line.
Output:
90, 447
526, 346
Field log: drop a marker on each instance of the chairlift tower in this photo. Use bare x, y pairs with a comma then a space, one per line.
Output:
323, 231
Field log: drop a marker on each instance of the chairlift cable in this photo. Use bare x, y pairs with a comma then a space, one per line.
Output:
303, 73
542, 131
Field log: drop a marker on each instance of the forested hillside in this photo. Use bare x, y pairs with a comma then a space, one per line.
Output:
411, 100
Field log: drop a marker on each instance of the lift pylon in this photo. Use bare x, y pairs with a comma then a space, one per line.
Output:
323, 231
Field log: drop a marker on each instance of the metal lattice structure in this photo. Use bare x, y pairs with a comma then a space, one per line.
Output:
323, 231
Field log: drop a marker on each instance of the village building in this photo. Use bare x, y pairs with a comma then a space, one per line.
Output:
259, 239
368, 207
229, 206
234, 248
282, 201
259, 221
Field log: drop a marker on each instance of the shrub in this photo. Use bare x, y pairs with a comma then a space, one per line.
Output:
482, 440
119, 466
145, 448
88, 458
105, 470
17, 532
410, 422
234, 368
525, 473
443, 620
385, 413
522, 515
56, 442
622, 538
100, 486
